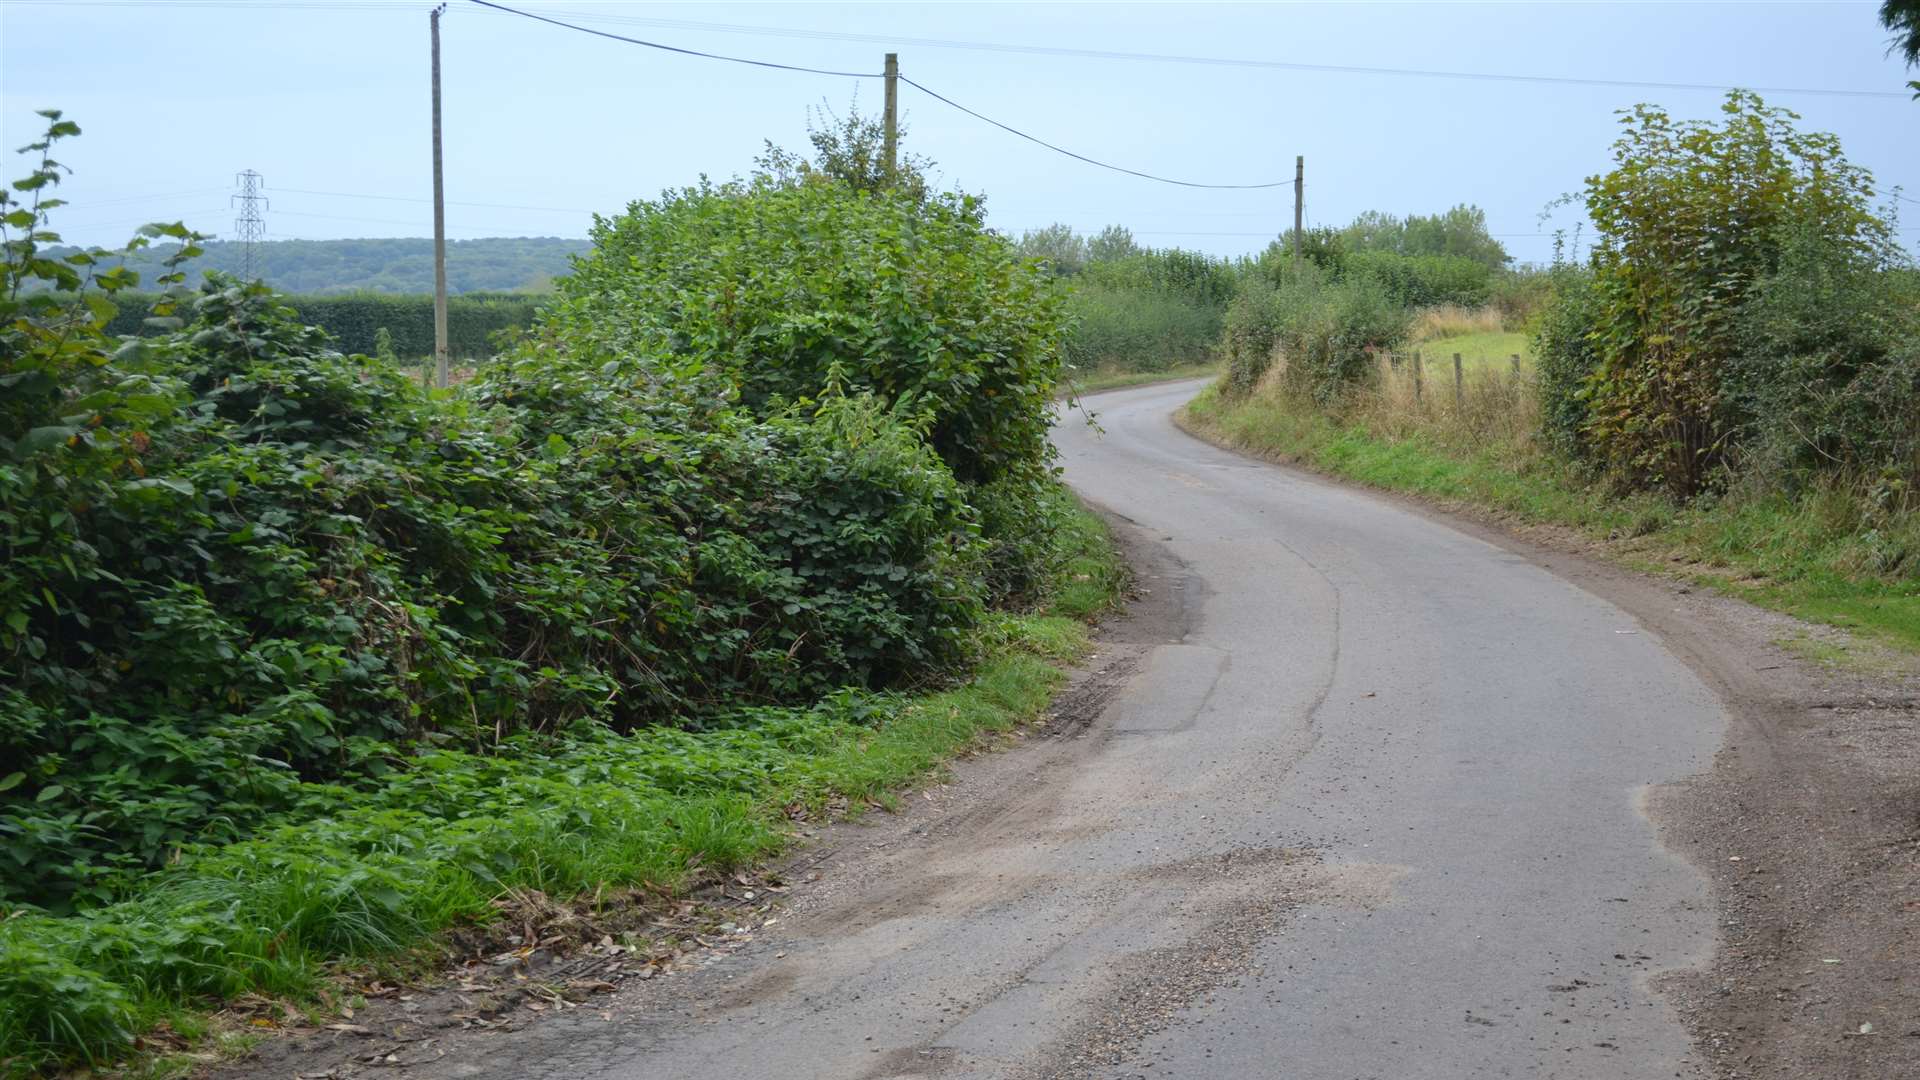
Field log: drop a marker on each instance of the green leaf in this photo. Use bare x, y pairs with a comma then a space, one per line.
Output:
11, 781
44, 438
49, 793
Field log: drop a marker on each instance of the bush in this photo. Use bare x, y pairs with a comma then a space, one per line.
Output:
1135, 329
1422, 280
1518, 296
1327, 333
787, 289
1565, 358
1691, 219
307, 552
1825, 376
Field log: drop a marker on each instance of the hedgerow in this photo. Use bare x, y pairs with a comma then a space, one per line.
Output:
353, 321
300, 660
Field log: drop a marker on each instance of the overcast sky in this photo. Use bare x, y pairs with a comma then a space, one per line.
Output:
329, 101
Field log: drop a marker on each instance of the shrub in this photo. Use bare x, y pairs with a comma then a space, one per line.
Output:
1565, 357
1136, 329
1825, 375
1252, 332
1327, 333
319, 553
1422, 280
1518, 295
1691, 218
789, 289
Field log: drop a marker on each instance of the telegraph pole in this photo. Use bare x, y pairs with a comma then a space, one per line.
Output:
893, 115
1299, 203
249, 228
440, 365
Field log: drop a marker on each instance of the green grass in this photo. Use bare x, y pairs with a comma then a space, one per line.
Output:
1487, 349
591, 813
1812, 557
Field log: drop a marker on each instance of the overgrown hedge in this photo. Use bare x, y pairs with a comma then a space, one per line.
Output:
1746, 315
303, 554
354, 320
787, 288
288, 644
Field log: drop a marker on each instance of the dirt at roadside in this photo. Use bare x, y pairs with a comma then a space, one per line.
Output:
1809, 826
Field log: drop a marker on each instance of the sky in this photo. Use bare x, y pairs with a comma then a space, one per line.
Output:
329, 102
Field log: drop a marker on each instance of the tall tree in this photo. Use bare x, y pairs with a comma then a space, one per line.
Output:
1903, 18
1063, 250
1112, 243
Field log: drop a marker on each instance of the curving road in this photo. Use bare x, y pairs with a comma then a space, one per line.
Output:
1364, 803
1446, 713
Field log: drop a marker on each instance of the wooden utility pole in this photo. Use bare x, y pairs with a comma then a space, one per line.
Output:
893, 116
1299, 203
440, 364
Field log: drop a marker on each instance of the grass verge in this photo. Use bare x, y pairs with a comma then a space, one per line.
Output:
593, 813
1813, 556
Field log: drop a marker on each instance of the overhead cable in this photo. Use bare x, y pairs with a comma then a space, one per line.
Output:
676, 48
1082, 157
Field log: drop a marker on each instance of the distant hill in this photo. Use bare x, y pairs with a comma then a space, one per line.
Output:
315, 267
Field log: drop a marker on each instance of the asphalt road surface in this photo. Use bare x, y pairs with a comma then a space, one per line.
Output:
1368, 805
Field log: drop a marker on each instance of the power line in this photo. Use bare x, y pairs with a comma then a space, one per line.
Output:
1218, 61
677, 49
917, 86
1079, 157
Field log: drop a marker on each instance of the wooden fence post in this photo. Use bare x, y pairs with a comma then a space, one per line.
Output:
1459, 381
1516, 365
1416, 376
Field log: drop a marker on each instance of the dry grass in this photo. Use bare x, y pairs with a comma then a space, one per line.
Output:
1488, 405
1469, 406
1452, 320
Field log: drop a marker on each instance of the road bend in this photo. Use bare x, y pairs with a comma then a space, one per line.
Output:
1372, 810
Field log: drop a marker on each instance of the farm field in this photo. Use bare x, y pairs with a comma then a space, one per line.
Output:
1486, 349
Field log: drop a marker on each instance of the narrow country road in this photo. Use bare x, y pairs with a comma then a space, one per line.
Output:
1366, 805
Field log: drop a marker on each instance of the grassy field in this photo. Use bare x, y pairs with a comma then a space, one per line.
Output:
1484, 349
1811, 557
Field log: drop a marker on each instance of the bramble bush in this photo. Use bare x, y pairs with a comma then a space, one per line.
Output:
248, 562
318, 553
300, 660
